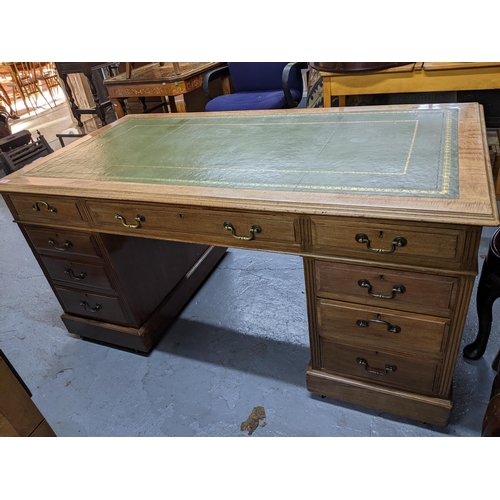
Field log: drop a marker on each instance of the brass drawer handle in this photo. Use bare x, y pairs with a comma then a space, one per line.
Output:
388, 368
72, 275
48, 207
397, 242
390, 328
395, 289
89, 309
140, 218
62, 248
255, 229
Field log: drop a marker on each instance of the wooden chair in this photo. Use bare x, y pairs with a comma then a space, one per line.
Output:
47, 76
8, 91
26, 80
14, 159
95, 73
488, 292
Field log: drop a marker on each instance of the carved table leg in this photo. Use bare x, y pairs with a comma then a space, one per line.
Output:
487, 292
143, 103
177, 103
117, 106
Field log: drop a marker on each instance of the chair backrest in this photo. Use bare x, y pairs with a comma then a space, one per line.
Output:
255, 76
17, 158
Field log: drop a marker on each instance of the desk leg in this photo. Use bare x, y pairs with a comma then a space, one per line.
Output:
341, 101
117, 106
177, 103
327, 95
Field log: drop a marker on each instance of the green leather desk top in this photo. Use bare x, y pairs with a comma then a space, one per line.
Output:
404, 153
426, 163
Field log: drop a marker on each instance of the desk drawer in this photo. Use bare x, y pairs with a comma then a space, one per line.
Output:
47, 209
70, 243
92, 305
381, 328
389, 288
398, 371
184, 224
388, 243
77, 273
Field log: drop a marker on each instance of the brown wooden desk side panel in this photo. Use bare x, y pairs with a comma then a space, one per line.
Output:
19, 416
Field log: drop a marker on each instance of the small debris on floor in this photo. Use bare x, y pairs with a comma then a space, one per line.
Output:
252, 422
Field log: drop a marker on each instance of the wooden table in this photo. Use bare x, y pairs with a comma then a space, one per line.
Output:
158, 79
384, 204
414, 77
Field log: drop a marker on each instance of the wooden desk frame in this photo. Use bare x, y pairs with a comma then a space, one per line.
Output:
321, 228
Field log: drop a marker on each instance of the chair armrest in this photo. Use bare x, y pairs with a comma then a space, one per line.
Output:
212, 75
291, 103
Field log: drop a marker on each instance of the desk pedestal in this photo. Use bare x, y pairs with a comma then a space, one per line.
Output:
117, 289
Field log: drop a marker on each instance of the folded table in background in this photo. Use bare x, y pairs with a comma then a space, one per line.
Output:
384, 204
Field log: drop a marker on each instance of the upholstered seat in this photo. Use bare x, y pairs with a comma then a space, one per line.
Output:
257, 86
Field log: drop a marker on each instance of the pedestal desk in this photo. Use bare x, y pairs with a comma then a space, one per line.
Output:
384, 204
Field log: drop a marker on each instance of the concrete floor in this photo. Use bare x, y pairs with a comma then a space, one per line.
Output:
242, 342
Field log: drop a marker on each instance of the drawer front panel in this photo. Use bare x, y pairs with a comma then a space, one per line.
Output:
387, 287
94, 306
77, 273
47, 209
61, 242
185, 224
381, 327
388, 243
412, 374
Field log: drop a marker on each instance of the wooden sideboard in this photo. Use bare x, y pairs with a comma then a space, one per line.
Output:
384, 204
412, 77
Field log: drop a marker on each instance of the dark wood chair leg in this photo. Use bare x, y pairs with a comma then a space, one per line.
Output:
487, 292
491, 420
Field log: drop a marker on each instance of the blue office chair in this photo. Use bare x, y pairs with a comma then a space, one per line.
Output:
257, 85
